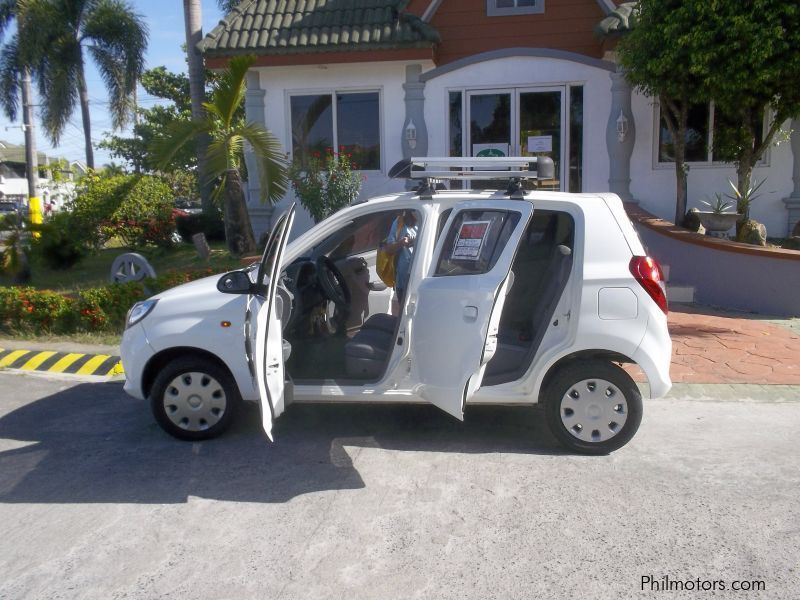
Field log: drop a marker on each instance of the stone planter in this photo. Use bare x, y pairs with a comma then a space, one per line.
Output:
718, 224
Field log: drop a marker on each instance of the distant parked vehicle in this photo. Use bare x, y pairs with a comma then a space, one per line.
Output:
189, 207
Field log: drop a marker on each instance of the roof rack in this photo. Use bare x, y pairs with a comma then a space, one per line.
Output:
513, 168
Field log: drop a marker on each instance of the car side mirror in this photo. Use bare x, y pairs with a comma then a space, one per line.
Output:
235, 282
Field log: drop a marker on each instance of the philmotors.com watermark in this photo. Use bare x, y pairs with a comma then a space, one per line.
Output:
665, 583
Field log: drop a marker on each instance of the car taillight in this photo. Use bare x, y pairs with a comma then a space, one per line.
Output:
650, 276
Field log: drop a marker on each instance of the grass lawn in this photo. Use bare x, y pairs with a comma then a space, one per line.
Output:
94, 270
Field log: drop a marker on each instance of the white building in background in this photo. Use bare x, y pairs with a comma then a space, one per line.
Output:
54, 190
395, 78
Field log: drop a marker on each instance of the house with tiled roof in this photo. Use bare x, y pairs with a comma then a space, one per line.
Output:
14, 181
388, 79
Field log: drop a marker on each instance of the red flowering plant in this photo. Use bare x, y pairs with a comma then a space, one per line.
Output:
325, 183
94, 309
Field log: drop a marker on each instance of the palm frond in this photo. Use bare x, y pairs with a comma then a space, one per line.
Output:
218, 159
230, 90
50, 46
117, 39
58, 78
270, 161
8, 11
115, 79
178, 134
9, 79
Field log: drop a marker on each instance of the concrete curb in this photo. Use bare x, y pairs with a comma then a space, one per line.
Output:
729, 392
49, 361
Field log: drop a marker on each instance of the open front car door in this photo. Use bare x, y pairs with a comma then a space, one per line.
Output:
267, 335
456, 313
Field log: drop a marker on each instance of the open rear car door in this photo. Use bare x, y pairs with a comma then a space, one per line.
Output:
456, 312
266, 337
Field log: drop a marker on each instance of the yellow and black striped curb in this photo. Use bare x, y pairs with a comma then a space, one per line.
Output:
61, 362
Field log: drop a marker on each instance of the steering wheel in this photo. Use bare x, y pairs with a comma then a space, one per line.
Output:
332, 282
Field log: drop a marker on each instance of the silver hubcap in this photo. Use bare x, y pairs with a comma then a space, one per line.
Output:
194, 401
594, 410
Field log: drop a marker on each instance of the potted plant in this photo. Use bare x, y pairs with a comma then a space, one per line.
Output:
718, 221
324, 185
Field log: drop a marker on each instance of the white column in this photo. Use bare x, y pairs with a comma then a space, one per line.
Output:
793, 202
255, 111
620, 137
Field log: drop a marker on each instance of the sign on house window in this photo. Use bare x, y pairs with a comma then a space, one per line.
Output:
500, 8
348, 121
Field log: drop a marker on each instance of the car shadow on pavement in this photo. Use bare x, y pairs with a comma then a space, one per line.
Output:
92, 443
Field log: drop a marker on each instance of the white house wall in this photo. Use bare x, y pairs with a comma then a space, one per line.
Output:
530, 72
386, 77
653, 184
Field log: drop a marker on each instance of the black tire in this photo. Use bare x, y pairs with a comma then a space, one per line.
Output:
191, 380
593, 406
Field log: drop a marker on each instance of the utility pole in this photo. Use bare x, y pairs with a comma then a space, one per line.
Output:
31, 157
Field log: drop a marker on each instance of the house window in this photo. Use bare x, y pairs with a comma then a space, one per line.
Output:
341, 121
501, 8
703, 124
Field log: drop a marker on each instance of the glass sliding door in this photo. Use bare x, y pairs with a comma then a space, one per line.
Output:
521, 122
541, 127
490, 116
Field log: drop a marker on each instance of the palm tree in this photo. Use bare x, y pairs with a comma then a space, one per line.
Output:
15, 78
193, 17
228, 135
59, 32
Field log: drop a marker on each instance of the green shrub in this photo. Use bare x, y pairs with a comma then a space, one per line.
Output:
96, 199
58, 246
106, 307
29, 309
145, 214
135, 208
94, 309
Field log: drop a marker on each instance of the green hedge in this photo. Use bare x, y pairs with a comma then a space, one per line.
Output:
26, 309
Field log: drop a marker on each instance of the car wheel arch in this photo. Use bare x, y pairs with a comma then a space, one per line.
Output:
580, 355
163, 358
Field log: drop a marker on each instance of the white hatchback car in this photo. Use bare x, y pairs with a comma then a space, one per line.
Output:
514, 297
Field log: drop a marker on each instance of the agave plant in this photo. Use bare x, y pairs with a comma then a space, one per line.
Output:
744, 198
719, 205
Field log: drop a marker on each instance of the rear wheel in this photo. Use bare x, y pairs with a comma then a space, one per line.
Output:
194, 399
593, 407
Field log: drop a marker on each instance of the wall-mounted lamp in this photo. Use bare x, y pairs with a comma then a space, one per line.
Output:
411, 135
622, 126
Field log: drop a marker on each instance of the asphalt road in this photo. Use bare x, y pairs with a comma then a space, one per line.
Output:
388, 502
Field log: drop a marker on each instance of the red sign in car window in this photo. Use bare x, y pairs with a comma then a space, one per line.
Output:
470, 240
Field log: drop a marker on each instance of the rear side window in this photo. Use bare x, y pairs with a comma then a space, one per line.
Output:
475, 241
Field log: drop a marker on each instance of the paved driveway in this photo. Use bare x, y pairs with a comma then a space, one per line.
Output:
388, 502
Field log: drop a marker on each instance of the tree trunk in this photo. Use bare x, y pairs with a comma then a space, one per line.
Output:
238, 231
193, 19
676, 116
744, 176
31, 157
87, 121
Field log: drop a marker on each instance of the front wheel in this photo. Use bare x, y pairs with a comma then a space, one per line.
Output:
593, 407
194, 399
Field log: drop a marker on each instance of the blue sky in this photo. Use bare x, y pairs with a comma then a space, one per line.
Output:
167, 33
